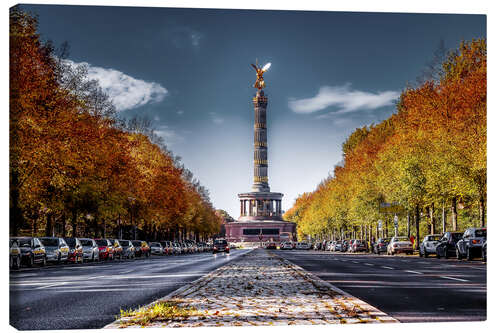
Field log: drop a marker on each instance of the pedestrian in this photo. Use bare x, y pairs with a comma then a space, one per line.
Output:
412, 240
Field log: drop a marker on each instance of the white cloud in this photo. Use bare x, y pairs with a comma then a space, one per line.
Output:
180, 112
344, 98
169, 135
125, 91
216, 119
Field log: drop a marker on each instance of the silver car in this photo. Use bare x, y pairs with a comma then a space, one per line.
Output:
90, 249
128, 249
399, 245
156, 248
428, 245
56, 249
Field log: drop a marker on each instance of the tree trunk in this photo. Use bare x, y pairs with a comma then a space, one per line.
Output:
386, 231
454, 216
63, 222
432, 219
74, 216
408, 224
15, 210
417, 223
443, 218
481, 212
48, 225
96, 226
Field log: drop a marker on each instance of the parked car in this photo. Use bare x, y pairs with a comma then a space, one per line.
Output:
483, 252
428, 245
471, 243
303, 246
399, 245
338, 246
359, 245
117, 249
381, 245
128, 248
345, 245
221, 245
141, 248
106, 249
167, 247
75, 250
286, 246
14, 254
447, 244
350, 243
56, 249
32, 251
177, 248
271, 245
156, 248
317, 246
90, 249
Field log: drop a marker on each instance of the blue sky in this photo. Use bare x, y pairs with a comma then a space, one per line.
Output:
188, 70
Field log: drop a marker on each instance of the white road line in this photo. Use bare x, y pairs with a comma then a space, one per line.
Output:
52, 285
387, 267
368, 264
452, 278
414, 272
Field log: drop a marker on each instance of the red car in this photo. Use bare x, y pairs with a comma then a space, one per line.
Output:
106, 249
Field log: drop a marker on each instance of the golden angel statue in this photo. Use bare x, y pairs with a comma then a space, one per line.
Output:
259, 83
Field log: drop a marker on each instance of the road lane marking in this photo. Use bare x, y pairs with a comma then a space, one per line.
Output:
368, 264
356, 262
387, 267
452, 278
52, 285
414, 272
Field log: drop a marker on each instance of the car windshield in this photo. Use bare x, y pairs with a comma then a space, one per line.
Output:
480, 233
434, 238
50, 241
220, 242
456, 236
70, 241
12, 241
101, 242
86, 242
24, 242
124, 243
155, 244
401, 239
137, 244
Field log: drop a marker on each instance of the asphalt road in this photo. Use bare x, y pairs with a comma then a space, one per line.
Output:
410, 289
91, 295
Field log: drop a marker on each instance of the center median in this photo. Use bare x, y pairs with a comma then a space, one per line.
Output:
259, 288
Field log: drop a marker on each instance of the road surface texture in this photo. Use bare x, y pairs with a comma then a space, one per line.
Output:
410, 289
91, 295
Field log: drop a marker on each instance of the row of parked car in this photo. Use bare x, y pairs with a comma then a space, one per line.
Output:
28, 251
469, 244
345, 245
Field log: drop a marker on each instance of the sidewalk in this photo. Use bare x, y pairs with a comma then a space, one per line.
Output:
259, 288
